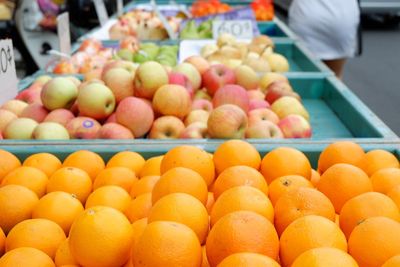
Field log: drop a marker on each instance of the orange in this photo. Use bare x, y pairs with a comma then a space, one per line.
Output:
42, 234
101, 236
138, 228
167, 244
301, 202
378, 159
394, 194
59, 207
239, 175
210, 202
192, 158
246, 259
181, 180
341, 152
85, 160
110, 196
392, 262
144, 185
324, 257
26, 256
45, 162
241, 231
242, 198
71, 180
342, 182
315, 176
182, 208
30, 177
2, 242
204, 260
151, 167
309, 232
283, 184
234, 153
139, 207
367, 205
285, 161
384, 180
8, 163
374, 241
119, 176
63, 255
16, 205
128, 159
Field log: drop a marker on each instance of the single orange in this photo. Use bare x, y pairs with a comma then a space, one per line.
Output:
59, 207
85, 160
63, 255
138, 228
139, 207
342, 182
26, 256
143, 185
283, 184
315, 176
210, 202
16, 205
166, 243
239, 175
152, 167
110, 196
309, 232
374, 241
394, 194
324, 257
246, 259
234, 153
367, 205
119, 176
181, 180
285, 161
385, 180
8, 163
241, 231
192, 158
71, 180
30, 177
45, 162
101, 236
392, 262
128, 159
378, 159
301, 202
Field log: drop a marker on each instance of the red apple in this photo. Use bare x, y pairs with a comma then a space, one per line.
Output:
278, 89
227, 121
271, 77
295, 126
232, 94
191, 73
111, 118
263, 129
61, 116
262, 114
216, 77
166, 127
182, 80
197, 115
200, 63
202, 94
197, 130
256, 95
30, 96
65, 67
83, 128
35, 112
114, 130
257, 104
202, 104
172, 100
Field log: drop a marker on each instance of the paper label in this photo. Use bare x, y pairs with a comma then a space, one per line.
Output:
101, 11
120, 8
64, 35
8, 74
241, 29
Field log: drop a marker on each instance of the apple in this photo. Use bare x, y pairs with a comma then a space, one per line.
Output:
149, 77
114, 130
30, 96
20, 128
166, 127
1, 136
60, 92
50, 131
262, 114
197, 130
278, 89
129, 42
232, 94
96, 100
111, 118
246, 77
83, 128
271, 77
61, 116
257, 104
42, 79
202, 94
216, 77
75, 80
181, 79
129, 66
93, 74
35, 112
172, 100
227, 121
120, 82
135, 114
65, 67
191, 73
257, 64
202, 104
6, 117
263, 129
255, 95
278, 63
200, 63
15, 106
295, 126
287, 105
197, 115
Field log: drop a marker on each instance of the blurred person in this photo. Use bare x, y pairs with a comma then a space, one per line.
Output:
328, 28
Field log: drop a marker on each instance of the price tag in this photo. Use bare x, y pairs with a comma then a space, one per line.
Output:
64, 34
8, 75
120, 8
101, 11
241, 29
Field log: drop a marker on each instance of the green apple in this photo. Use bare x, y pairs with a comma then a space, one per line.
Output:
50, 131
60, 92
96, 100
21, 128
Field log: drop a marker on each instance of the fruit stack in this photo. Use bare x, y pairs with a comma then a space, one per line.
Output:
193, 31
191, 208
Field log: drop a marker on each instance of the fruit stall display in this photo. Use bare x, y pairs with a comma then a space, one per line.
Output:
235, 205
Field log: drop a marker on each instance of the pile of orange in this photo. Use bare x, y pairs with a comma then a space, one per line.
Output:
233, 208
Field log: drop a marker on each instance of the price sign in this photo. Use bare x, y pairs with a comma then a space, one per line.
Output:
120, 8
8, 75
241, 29
64, 34
101, 11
